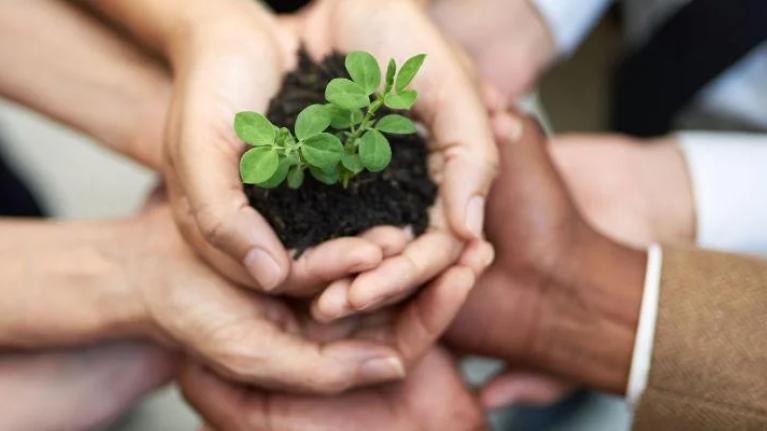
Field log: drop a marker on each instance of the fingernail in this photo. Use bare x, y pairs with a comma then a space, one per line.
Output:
475, 215
263, 268
382, 369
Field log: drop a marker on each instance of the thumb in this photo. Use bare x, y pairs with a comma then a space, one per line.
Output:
523, 387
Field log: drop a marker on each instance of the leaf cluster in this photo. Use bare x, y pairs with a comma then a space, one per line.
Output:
337, 140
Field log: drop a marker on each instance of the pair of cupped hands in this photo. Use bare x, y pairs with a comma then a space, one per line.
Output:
270, 343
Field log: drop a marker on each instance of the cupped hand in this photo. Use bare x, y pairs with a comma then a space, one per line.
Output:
230, 62
462, 155
251, 338
432, 398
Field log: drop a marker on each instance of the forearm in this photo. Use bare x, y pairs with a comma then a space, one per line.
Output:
97, 82
171, 27
65, 284
508, 40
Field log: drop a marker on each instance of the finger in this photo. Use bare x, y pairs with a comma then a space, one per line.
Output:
462, 133
478, 256
272, 359
523, 388
421, 261
331, 261
223, 262
216, 85
392, 240
223, 405
333, 303
426, 318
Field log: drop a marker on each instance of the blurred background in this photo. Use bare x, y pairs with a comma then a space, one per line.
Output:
78, 180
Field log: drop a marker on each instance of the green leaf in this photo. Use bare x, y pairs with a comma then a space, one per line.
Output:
402, 101
396, 125
347, 94
278, 177
352, 162
312, 121
327, 176
295, 177
364, 70
254, 129
341, 118
408, 71
323, 150
258, 165
391, 71
375, 151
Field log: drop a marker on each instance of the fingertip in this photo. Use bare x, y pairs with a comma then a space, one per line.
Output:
366, 257
390, 239
507, 128
478, 256
268, 270
332, 304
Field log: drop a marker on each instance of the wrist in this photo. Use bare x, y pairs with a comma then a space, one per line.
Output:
210, 27
591, 339
668, 192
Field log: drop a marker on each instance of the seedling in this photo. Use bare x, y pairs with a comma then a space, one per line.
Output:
338, 140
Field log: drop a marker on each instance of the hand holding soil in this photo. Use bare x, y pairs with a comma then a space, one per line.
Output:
462, 158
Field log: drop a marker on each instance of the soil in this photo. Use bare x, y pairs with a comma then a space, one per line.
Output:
401, 195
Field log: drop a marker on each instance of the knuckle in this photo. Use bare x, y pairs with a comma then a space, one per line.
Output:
215, 227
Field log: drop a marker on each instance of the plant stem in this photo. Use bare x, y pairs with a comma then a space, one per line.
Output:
357, 134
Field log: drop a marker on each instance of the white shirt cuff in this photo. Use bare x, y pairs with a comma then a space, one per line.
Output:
729, 181
643, 344
570, 20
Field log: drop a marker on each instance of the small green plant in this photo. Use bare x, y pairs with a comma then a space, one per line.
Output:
337, 140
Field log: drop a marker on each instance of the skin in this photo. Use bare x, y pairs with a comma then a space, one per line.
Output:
68, 385
571, 294
508, 40
137, 278
211, 64
559, 298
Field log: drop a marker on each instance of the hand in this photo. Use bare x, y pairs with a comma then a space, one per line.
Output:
255, 339
560, 298
222, 69
636, 191
462, 156
432, 398
508, 40
79, 389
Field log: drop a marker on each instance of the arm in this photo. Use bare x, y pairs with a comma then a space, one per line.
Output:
707, 369
70, 67
514, 41
65, 284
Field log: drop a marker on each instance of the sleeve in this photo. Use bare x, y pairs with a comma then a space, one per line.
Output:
570, 20
729, 181
640, 362
709, 361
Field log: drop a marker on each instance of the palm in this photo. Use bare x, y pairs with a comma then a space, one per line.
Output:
433, 398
